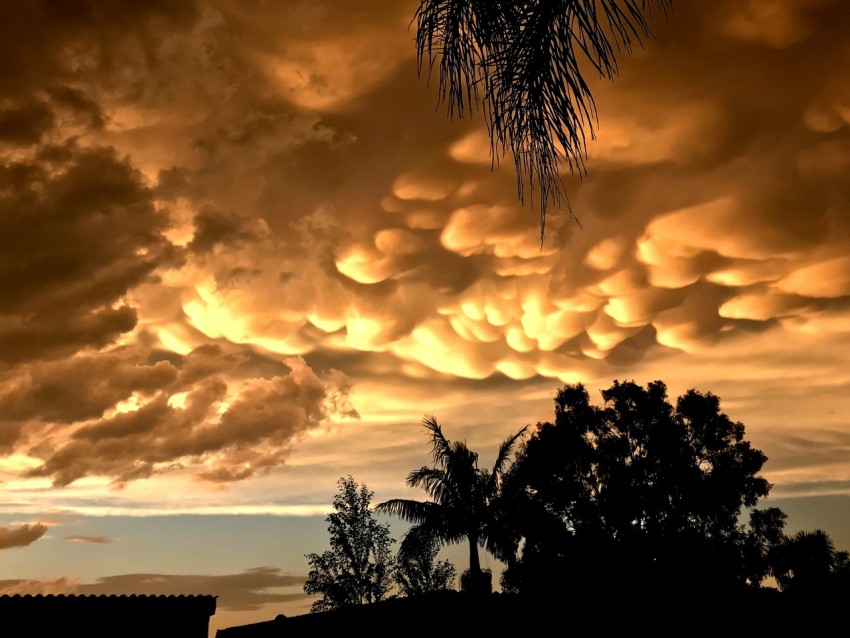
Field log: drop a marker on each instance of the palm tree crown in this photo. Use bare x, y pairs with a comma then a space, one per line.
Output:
463, 497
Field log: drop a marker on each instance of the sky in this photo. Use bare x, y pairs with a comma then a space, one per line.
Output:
244, 252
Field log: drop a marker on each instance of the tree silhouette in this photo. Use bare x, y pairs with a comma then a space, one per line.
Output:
638, 491
808, 562
417, 570
357, 568
760, 545
521, 63
464, 501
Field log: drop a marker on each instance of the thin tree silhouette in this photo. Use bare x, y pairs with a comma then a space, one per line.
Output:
357, 568
463, 500
521, 63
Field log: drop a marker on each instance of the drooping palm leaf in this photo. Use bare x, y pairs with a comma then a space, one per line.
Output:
436, 484
521, 61
503, 457
441, 448
430, 519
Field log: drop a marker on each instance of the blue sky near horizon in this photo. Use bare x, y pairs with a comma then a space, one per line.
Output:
210, 546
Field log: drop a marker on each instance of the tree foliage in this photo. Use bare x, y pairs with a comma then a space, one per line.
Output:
766, 534
809, 562
463, 503
523, 63
417, 570
358, 567
639, 497
638, 490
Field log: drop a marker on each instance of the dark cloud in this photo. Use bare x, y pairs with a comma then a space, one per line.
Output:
77, 235
90, 539
80, 388
46, 42
243, 591
25, 124
31, 121
216, 437
83, 108
172, 182
21, 536
214, 228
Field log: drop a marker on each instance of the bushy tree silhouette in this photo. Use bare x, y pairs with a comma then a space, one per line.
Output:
638, 498
357, 568
417, 570
809, 563
523, 64
638, 491
463, 503
759, 546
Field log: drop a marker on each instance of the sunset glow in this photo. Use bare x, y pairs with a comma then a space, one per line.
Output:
243, 255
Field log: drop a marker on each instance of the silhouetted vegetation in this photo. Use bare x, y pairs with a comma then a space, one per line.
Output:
652, 502
463, 505
417, 570
357, 568
808, 563
523, 64
635, 491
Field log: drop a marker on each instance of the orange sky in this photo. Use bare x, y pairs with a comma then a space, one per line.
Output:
242, 255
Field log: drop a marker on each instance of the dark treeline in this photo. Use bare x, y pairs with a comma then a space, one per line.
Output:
638, 501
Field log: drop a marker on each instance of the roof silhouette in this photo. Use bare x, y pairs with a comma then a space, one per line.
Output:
106, 615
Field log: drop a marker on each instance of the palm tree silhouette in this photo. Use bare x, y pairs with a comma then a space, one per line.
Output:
463, 498
805, 561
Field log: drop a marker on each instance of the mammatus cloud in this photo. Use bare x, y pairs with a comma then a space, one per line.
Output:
194, 195
243, 591
433, 263
21, 536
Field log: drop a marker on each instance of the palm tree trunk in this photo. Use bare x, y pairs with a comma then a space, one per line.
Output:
474, 562
477, 582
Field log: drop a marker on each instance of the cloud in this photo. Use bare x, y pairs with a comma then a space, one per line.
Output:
90, 539
80, 231
54, 586
21, 536
243, 591
247, 590
778, 25
409, 244
192, 194
449, 273
214, 227
64, 391
25, 124
161, 418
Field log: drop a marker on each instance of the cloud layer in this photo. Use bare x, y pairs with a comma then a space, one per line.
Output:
245, 591
208, 210
118, 416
